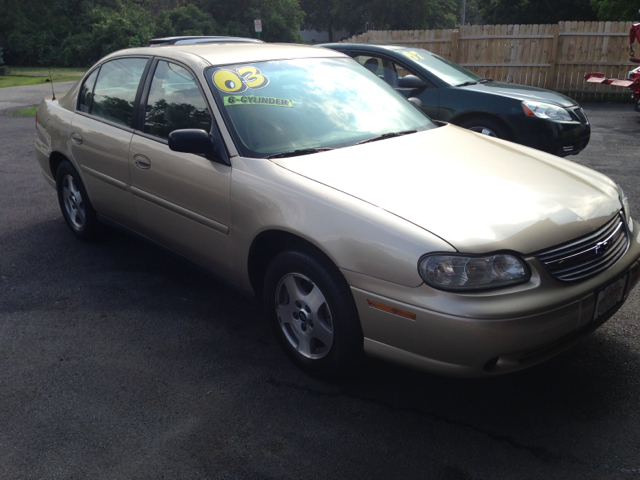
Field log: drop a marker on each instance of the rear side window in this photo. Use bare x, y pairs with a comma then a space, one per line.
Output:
86, 92
116, 89
175, 102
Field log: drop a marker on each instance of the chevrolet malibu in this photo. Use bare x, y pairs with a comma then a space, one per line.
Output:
292, 173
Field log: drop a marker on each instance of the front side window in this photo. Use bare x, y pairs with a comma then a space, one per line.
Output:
116, 88
86, 92
442, 68
280, 106
175, 102
382, 67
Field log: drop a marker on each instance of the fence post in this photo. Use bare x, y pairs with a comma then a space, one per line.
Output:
550, 81
454, 46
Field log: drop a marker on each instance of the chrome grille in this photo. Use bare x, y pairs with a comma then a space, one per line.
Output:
588, 255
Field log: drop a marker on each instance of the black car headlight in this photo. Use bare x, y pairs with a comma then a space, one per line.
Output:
472, 272
546, 111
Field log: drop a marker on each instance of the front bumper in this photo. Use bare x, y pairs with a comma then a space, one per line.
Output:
557, 138
488, 333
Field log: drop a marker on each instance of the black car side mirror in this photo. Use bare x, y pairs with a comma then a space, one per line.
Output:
192, 140
411, 81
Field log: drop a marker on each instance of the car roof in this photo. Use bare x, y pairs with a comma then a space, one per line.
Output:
223, 53
366, 46
183, 40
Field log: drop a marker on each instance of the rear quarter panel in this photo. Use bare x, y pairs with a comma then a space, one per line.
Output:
52, 134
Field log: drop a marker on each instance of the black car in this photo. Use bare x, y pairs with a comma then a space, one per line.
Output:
530, 116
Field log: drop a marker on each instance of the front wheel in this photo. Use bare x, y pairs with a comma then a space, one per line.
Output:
487, 126
74, 203
313, 314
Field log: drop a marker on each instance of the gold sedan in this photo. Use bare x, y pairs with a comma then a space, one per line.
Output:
292, 173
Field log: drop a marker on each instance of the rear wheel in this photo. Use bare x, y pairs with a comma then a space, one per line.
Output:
487, 126
74, 203
313, 314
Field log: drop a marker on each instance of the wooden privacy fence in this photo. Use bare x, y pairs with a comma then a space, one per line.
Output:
555, 57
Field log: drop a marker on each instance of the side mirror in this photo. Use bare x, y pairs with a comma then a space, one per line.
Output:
197, 141
411, 81
416, 102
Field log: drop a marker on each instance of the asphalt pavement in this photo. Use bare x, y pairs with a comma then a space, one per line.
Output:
119, 361
12, 98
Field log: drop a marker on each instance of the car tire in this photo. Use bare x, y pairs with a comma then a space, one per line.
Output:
487, 126
313, 314
74, 203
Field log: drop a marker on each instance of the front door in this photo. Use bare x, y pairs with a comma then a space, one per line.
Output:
390, 71
182, 199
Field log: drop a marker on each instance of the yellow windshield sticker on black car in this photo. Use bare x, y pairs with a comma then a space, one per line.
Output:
250, 100
237, 81
414, 55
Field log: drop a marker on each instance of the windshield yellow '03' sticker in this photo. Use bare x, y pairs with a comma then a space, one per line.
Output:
250, 100
414, 55
237, 81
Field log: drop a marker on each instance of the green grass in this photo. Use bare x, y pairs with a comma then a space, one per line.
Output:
27, 112
58, 75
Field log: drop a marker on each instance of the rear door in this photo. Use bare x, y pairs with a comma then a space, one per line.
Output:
101, 132
182, 199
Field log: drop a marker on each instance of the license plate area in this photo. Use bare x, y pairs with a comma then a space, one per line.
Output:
609, 297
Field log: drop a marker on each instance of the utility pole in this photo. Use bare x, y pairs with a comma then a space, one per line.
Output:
464, 7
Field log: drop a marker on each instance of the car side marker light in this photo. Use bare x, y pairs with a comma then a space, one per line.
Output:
393, 310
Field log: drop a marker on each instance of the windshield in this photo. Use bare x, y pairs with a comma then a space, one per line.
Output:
313, 103
440, 67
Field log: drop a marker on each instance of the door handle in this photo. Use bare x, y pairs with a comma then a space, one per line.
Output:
142, 162
76, 138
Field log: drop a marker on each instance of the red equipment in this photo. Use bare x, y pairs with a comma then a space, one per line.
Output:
633, 81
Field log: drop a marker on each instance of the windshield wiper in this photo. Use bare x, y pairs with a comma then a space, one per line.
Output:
486, 80
296, 153
386, 135
466, 84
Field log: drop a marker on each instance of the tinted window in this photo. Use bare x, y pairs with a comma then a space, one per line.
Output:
86, 92
115, 91
384, 68
175, 102
440, 67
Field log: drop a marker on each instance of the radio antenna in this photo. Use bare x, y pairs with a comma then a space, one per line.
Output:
51, 79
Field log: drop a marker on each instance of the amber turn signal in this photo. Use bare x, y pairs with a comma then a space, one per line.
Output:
389, 309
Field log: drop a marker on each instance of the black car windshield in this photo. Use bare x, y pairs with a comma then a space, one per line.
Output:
440, 67
286, 106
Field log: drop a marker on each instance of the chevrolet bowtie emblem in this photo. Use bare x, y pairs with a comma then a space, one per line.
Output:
602, 247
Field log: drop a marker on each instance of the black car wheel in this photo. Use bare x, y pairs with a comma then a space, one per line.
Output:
313, 314
74, 203
487, 126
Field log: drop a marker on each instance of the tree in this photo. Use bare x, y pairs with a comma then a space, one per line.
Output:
3, 67
616, 10
353, 15
320, 16
534, 11
281, 19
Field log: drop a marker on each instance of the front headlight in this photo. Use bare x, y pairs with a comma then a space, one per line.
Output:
463, 272
545, 110
626, 211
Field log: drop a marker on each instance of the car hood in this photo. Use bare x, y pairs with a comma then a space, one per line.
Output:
478, 193
522, 92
